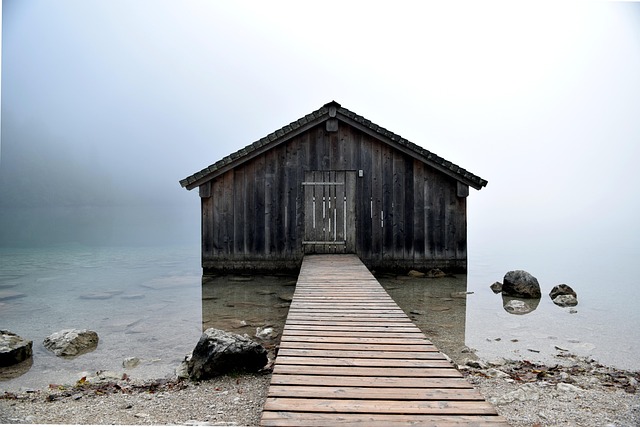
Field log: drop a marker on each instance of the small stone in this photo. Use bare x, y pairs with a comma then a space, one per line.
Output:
266, 333
567, 388
141, 415
460, 294
130, 362
478, 364
435, 273
71, 342
13, 348
562, 290
416, 273
496, 287
496, 373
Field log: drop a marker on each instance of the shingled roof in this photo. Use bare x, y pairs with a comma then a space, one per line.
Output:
331, 110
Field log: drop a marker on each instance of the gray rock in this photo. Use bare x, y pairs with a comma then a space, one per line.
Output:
478, 364
435, 273
266, 333
519, 283
182, 371
13, 348
219, 352
130, 362
565, 301
564, 296
496, 287
567, 388
496, 373
526, 393
71, 342
415, 273
562, 289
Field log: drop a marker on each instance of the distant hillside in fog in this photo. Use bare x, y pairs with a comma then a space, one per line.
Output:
52, 194
41, 170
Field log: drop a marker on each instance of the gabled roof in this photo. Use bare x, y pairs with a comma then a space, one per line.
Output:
332, 110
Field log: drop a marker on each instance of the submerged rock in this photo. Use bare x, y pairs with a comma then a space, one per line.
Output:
131, 362
415, 273
7, 295
71, 342
435, 273
13, 348
219, 352
519, 283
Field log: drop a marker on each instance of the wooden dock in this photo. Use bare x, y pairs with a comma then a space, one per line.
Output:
350, 356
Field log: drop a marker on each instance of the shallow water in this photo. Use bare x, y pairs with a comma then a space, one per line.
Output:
143, 302
153, 303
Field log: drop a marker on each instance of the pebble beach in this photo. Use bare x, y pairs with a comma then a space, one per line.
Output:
575, 392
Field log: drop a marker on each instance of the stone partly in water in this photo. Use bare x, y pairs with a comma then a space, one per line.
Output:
71, 342
496, 287
130, 362
13, 348
416, 273
564, 296
436, 273
219, 352
519, 283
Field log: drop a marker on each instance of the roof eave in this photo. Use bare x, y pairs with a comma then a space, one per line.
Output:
259, 147
413, 150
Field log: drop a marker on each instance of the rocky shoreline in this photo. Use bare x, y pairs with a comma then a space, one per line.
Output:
576, 391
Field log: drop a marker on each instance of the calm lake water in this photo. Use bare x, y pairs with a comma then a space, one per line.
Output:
152, 303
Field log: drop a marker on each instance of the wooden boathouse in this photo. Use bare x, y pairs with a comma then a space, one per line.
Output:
333, 182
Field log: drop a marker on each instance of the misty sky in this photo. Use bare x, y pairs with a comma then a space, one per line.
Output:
542, 99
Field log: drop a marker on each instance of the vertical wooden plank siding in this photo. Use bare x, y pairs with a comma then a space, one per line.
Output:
388, 252
407, 214
239, 197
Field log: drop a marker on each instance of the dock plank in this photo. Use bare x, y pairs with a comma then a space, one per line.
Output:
350, 356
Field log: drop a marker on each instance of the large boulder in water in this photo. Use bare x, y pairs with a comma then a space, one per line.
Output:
219, 352
519, 283
71, 342
13, 348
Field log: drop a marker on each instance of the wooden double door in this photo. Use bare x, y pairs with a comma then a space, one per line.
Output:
329, 212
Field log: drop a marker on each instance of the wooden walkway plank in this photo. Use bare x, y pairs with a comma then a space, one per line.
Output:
350, 356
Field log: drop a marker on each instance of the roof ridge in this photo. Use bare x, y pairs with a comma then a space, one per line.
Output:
308, 119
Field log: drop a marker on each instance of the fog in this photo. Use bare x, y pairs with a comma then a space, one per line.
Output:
106, 105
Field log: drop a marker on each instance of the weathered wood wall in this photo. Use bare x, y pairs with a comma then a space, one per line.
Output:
408, 215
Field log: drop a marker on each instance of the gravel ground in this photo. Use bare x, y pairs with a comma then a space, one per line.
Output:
577, 392
225, 401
